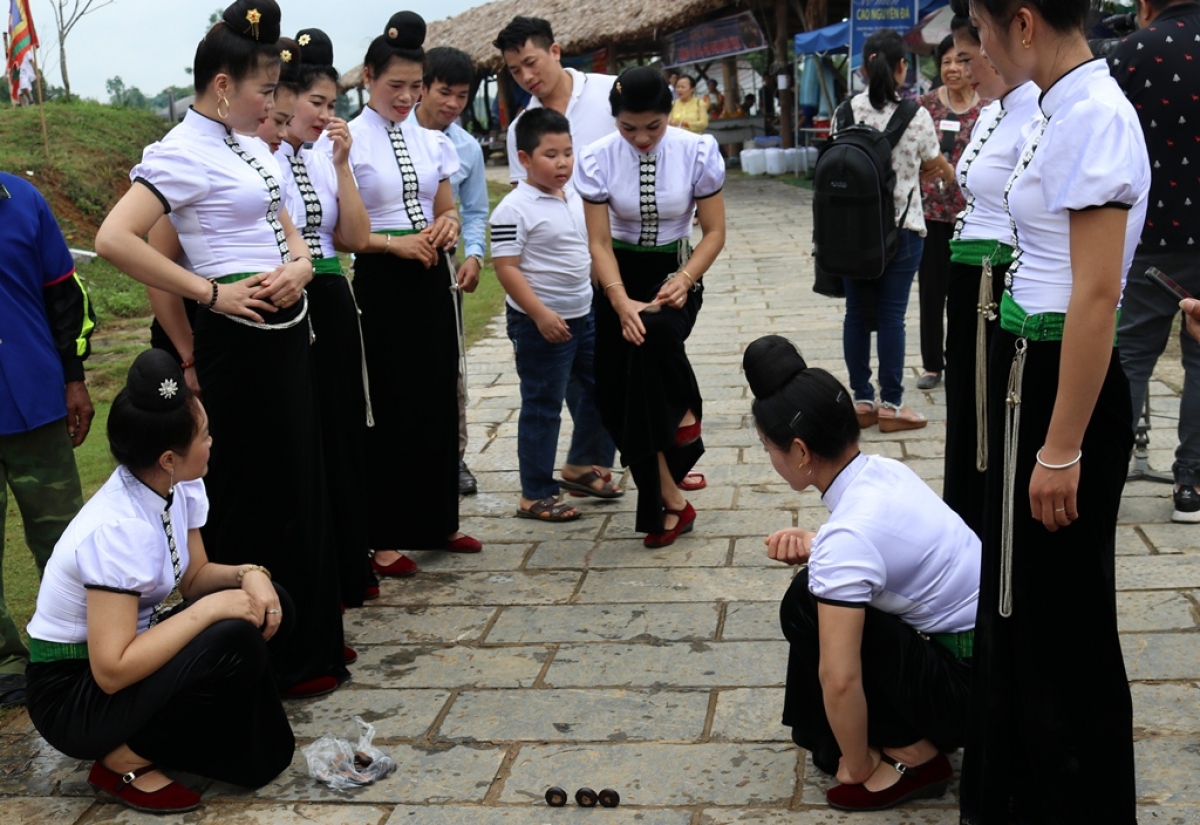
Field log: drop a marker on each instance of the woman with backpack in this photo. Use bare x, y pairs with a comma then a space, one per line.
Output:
879, 304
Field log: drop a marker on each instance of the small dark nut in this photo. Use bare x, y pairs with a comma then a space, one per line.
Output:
556, 797
361, 760
586, 798
610, 798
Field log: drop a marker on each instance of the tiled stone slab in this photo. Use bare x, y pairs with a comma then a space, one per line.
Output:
609, 623
1173, 815
257, 813
683, 584
628, 553
541, 587
1172, 538
43, 811
576, 716
1161, 655
447, 667
534, 813
396, 714
495, 556
1165, 708
1168, 770
412, 625
423, 776
1140, 510
752, 620
525, 530
1156, 610
694, 664
711, 523
904, 815
660, 774
56, 775
1130, 543
749, 715
1158, 572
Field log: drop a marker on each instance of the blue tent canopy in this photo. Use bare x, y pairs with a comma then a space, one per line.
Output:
836, 38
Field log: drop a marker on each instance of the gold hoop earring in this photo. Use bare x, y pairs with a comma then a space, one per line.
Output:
223, 101
1026, 43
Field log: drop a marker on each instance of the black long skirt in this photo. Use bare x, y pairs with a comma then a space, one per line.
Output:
342, 415
265, 479
410, 339
1050, 738
963, 482
644, 391
213, 709
915, 688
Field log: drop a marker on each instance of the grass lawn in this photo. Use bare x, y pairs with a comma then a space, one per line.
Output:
123, 332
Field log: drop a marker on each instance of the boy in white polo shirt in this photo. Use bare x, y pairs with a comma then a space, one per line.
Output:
540, 251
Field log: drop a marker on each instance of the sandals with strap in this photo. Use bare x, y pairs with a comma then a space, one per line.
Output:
582, 485
549, 509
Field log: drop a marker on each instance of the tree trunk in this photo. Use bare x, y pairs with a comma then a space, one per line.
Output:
787, 112
62, 61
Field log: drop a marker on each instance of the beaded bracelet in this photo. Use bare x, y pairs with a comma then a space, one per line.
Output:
250, 568
188, 364
1070, 463
213, 302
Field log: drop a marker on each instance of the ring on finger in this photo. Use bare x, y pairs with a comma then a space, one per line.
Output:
1060, 509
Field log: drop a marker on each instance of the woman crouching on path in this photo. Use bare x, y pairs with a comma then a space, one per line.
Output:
118, 676
881, 620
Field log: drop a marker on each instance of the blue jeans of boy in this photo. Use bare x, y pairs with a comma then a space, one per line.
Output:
550, 374
892, 289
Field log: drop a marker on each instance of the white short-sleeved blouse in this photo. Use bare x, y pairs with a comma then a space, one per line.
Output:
117, 542
1089, 153
989, 160
893, 544
221, 191
373, 158
310, 192
918, 144
651, 196
588, 111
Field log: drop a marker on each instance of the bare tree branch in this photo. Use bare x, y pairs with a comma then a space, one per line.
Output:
67, 13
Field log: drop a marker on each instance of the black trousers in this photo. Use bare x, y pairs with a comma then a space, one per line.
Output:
212, 710
915, 688
932, 280
1050, 739
963, 485
644, 391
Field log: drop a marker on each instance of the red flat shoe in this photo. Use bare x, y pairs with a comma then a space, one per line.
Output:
927, 781
692, 482
686, 435
464, 544
169, 799
687, 518
349, 654
370, 592
313, 687
401, 568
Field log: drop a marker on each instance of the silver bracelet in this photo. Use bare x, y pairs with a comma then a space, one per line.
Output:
1070, 463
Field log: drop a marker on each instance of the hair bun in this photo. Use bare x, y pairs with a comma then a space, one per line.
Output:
254, 19
770, 363
155, 382
405, 30
641, 87
289, 56
316, 49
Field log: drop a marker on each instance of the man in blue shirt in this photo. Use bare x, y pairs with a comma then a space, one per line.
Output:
447, 87
45, 322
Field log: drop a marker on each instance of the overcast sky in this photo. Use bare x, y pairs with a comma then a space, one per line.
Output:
149, 43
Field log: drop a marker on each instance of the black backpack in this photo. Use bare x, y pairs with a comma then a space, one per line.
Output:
854, 212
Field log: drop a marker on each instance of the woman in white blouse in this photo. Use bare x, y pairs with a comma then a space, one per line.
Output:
249, 267
117, 675
1051, 737
880, 304
640, 186
322, 197
402, 281
881, 620
980, 253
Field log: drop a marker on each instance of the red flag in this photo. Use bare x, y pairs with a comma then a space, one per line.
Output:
21, 39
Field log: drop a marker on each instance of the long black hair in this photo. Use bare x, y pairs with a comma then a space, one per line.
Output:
241, 42
882, 53
793, 400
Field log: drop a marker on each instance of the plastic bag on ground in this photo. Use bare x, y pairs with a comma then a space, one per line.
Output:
342, 766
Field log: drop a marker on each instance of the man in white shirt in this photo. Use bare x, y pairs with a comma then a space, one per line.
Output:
535, 62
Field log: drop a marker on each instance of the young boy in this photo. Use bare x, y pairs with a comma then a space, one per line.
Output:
540, 251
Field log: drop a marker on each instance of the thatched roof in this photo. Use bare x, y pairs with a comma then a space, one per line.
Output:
579, 25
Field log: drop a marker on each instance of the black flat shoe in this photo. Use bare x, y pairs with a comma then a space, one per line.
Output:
467, 485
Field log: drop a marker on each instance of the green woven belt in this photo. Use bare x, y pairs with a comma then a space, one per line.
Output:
327, 266
962, 645
671, 247
233, 279
973, 253
397, 232
40, 651
1044, 326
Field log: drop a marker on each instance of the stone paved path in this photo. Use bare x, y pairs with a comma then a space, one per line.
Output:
570, 655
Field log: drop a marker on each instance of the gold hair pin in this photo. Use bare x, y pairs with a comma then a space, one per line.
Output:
253, 17
620, 91
393, 33
304, 40
285, 56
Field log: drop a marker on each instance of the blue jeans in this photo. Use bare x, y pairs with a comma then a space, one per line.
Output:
891, 289
551, 373
1146, 318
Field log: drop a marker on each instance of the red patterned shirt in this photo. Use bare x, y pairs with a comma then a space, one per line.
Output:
954, 133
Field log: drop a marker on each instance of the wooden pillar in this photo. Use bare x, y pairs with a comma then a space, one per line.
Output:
787, 97
613, 66
733, 95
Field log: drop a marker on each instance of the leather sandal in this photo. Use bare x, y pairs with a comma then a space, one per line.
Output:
549, 509
581, 486
867, 412
927, 781
901, 418
169, 799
